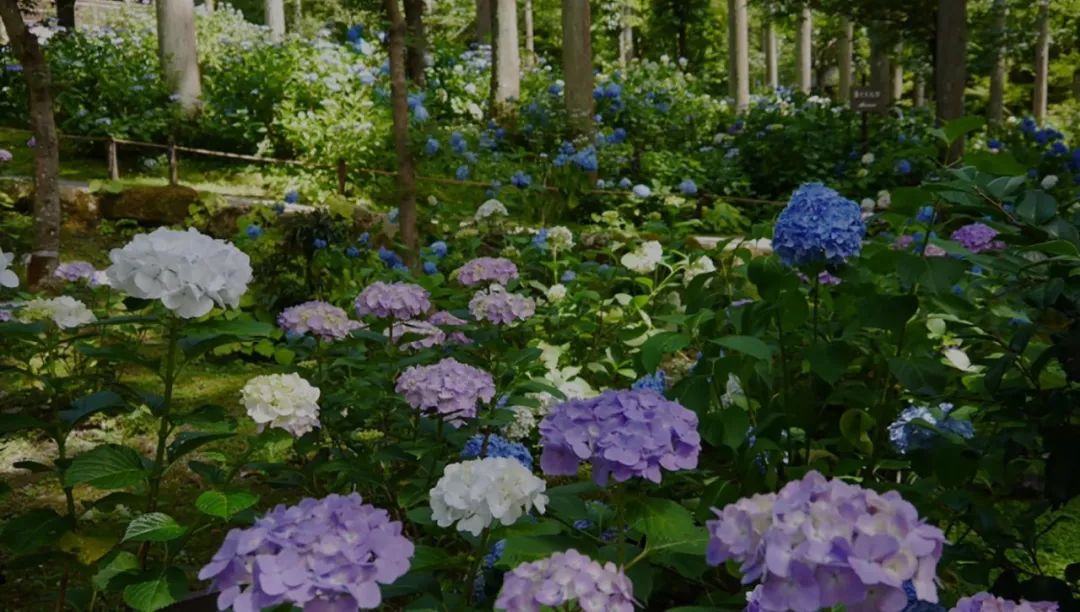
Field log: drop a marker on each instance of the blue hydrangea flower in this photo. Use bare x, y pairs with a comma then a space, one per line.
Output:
254, 231
994, 144
925, 214
431, 147
583, 524
439, 249
319, 243
688, 187
618, 136
292, 197
457, 143
656, 381
352, 252
430, 268
521, 180
555, 89
461, 173
903, 167
568, 276
390, 258
539, 239
906, 435
818, 225
364, 239
642, 191
625, 183
497, 446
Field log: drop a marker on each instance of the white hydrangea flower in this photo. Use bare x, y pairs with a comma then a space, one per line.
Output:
65, 311
188, 271
556, 293
523, 424
8, 278
701, 265
867, 205
1049, 181
490, 208
867, 159
645, 258
560, 238
475, 494
286, 401
733, 391
884, 200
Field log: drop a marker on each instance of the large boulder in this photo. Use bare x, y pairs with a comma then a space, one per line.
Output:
166, 205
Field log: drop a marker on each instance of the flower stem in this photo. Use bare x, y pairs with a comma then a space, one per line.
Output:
165, 427
474, 568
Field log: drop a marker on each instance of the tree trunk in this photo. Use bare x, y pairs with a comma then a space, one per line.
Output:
46, 254
1076, 85
3, 32
506, 59
275, 18
998, 72
298, 15
843, 50
577, 65
739, 68
416, 44
682, 35
626, 36
880, 66
896, 68
209, 4
950, 68
772, 72
918, 93
805, 61
1042, 62
177, 51
65, 14
483, 21
399, 102
530, 37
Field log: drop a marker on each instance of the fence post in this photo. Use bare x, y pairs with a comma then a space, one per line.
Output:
174, 163
114, 163
342, 172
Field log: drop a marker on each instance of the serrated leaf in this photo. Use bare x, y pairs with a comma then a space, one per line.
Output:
747, 345
854, 425
667, 525
91, 404
120, 563
225, 504
87, 548
106, 467
156, 590
153, 527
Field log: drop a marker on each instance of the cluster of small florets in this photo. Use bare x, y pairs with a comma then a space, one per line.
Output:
565, 578
448, 389
475, 494
487, 270
978, 238
401, 301
497, 305
320, 319
818, 226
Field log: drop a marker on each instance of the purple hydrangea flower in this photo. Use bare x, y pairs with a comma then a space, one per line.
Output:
401, 301
487, 270
328, 554
821, 543
986, 602
321, 319
445, 319
420, 334
73, 271
497, 305
978, 238
5, 156
449, 389
818, 225
563, 578
624, 434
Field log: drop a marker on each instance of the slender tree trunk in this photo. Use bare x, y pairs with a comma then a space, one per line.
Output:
896, 68
298, 15
275, 18
950, 69
805, 49
506, 59
843, 51
739, 69
682, 35
530, 36
732, 80
998, 71
626, 36
483, 21
1076, 85
65, 13
177, 51
209, 4
880, 66
772, 62
918, 93
399, 102
3, 33
1042, 62
577, 65
46, 253
416, 44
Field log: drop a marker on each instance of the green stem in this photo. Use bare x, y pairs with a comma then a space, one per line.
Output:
620, 525
165, 426
816, 297
474, 568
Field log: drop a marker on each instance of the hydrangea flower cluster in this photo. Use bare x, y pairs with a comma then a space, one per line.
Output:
444, 318
65, 311
563, 578
449, 389
321, 319
820, 543
487, 270
655, 382
645, 258
978, 238
818, 225
8, 278
560, 238
907, 435
497, 305
475, 494
491, 208
401, 301
497, 446
624, 434
286, 401
986, 602
327, 554
523, 424
188, 271
73, 271
5, 156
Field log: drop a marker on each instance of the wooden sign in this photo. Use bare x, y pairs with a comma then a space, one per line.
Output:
868, 100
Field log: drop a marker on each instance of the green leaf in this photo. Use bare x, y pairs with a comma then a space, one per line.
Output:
736, 423
830, 361
106, 467
889, 312
153, 527
187, 441
225, 504
667, 525
999, 164
520, 549
921, 376
116, 354
156, 590
1037, 207
10, 423
956, 129
120, 563
1063, 248
854, 426
33, 530
748, 345
91, 404
654, 349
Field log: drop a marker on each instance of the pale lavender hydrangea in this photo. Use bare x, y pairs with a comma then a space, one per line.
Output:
497, 305
487, 270
73, 271
416, 335
564, 578
986, 602
623, 433
978, 238
821, 543
401, 301
446, 319
327, 554
320, 319
449, 389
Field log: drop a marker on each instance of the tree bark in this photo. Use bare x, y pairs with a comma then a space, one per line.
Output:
772, 61
998, 72
577, 65
65, 14
843, 51
298, 15
46, 254
483, 21
626, 36
530, 37
399, 102
506, 60
739, 66
416, 43
177, 51
950, 68
880, 66
896, 69
918, 93
1042, 63
275, 18
805, 60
